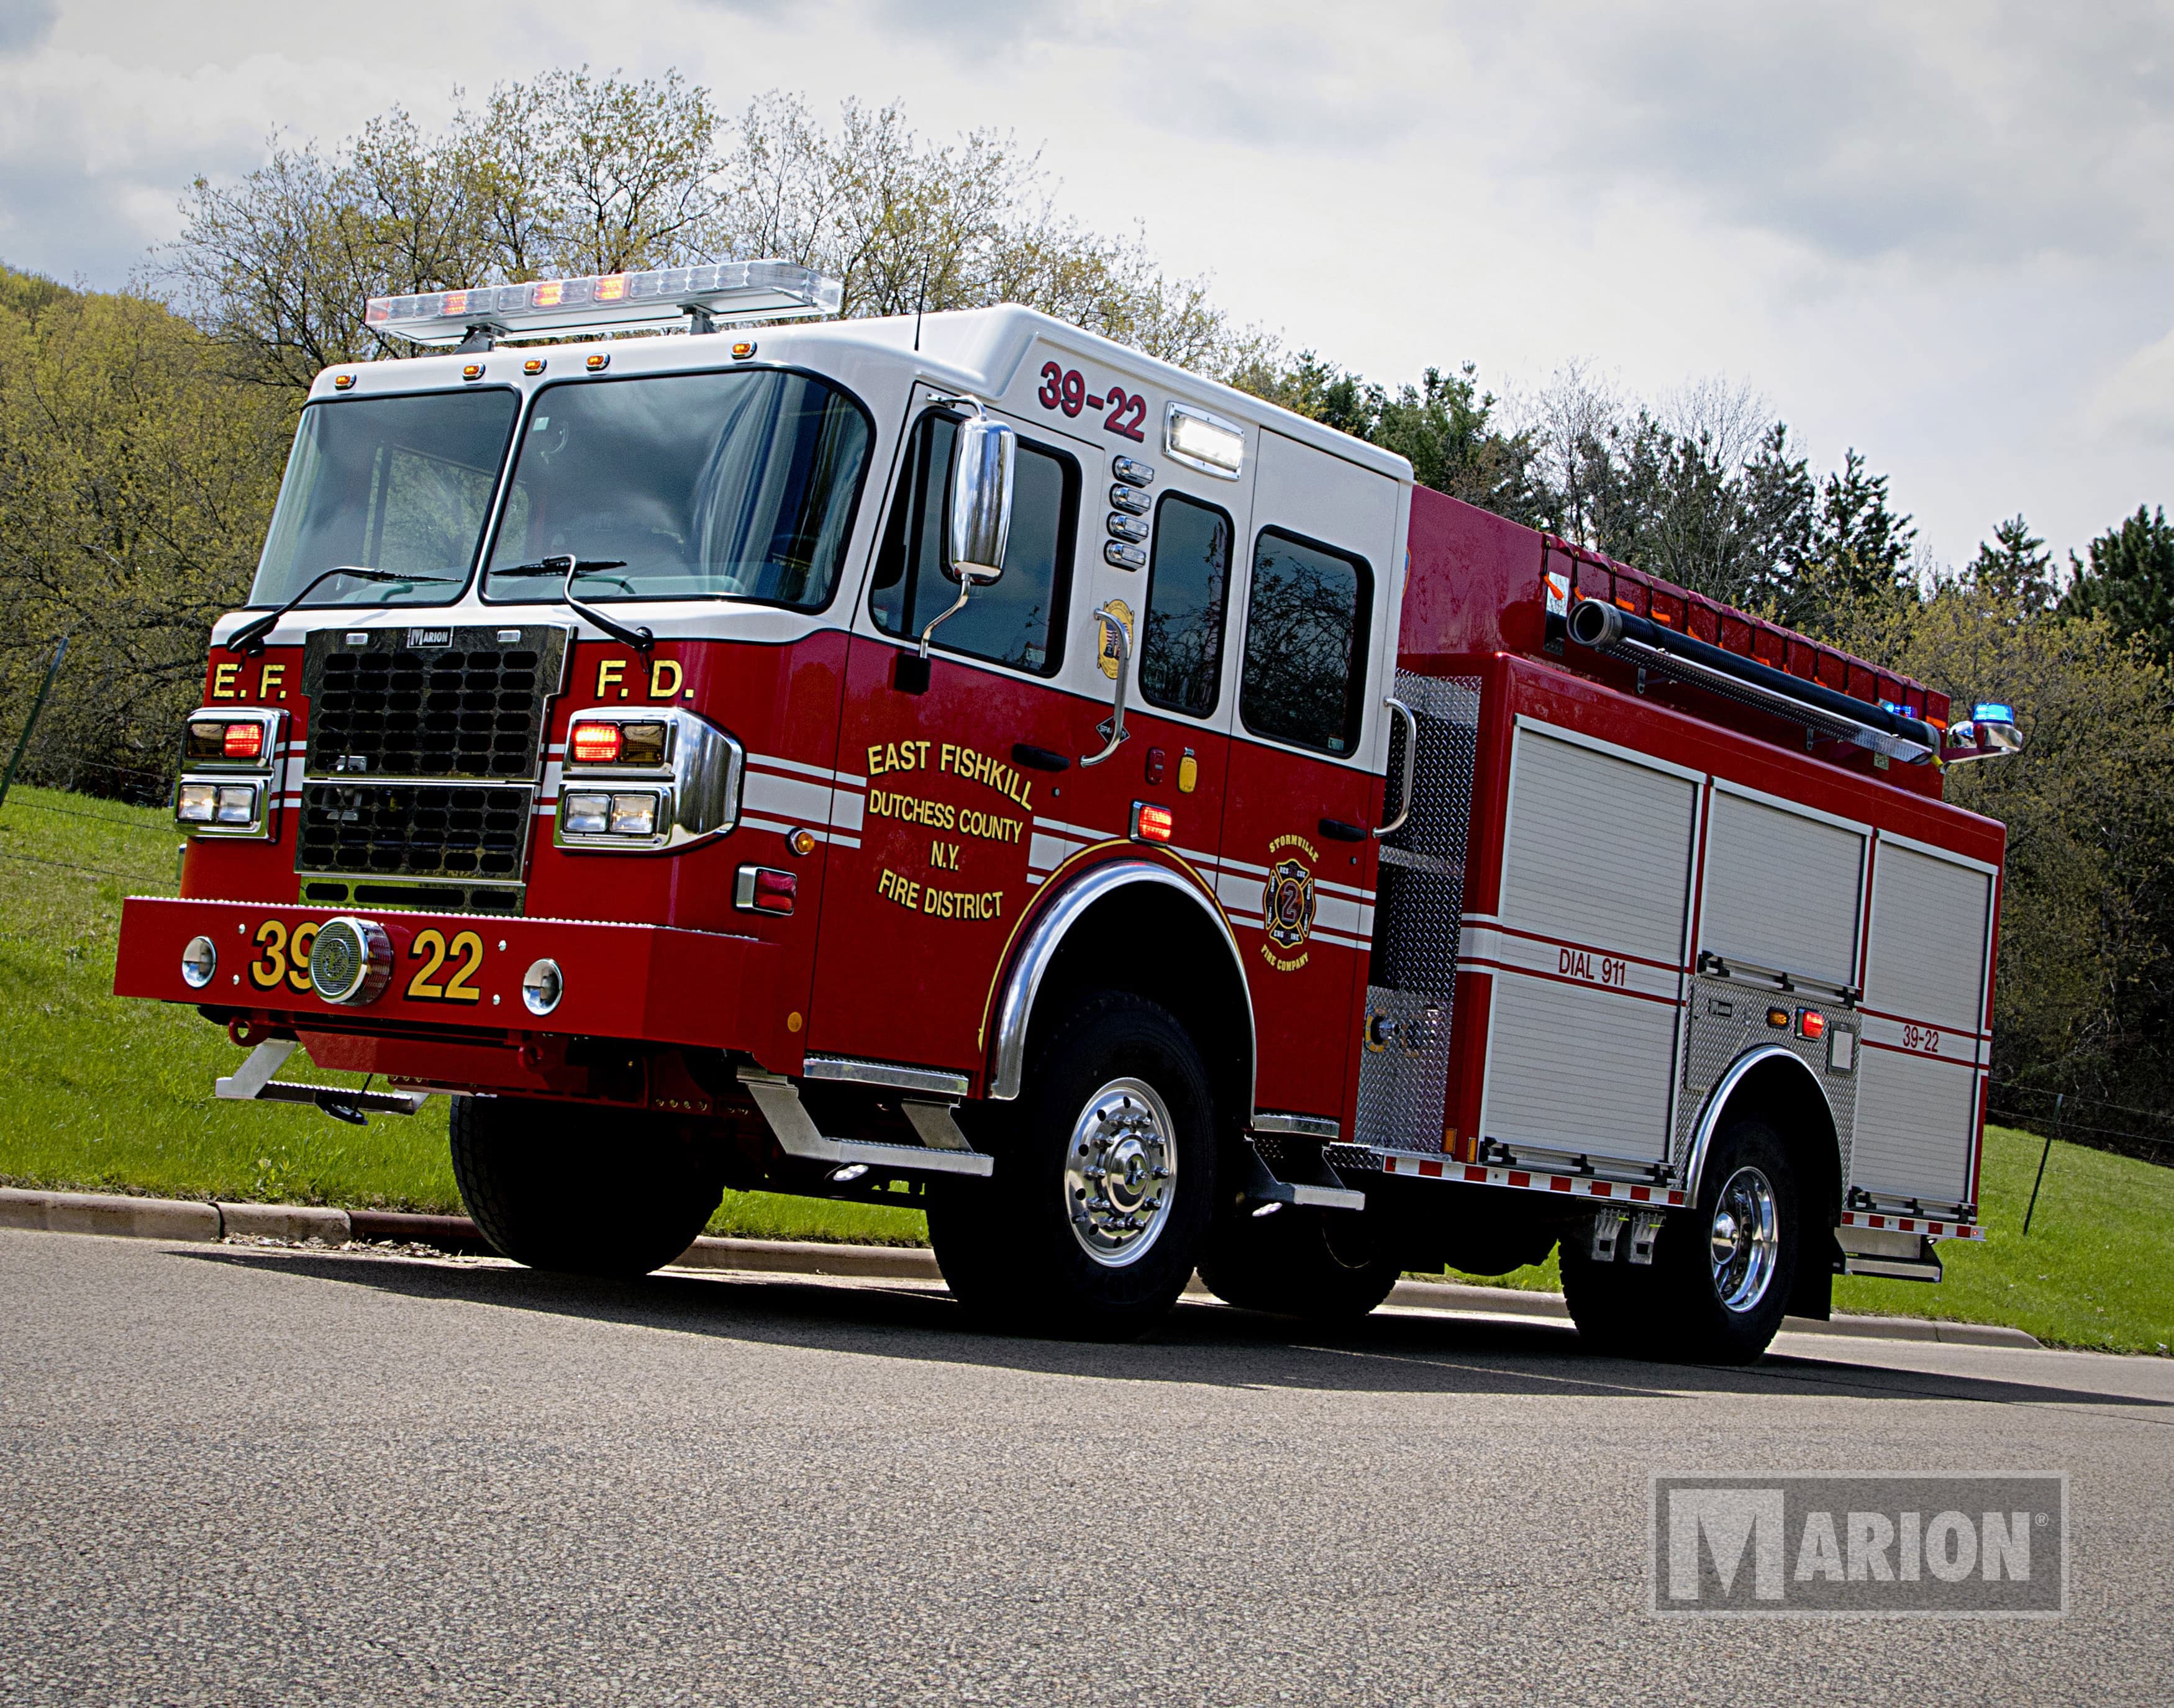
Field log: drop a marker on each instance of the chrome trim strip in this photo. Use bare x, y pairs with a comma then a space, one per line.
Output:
851, 1071
1016, 1008
1319, 1127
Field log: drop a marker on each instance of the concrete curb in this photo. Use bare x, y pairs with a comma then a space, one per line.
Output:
176, 1219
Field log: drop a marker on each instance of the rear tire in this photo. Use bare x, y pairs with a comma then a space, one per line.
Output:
1722, 1275
1105, 1174
590, 1191
1326, 1266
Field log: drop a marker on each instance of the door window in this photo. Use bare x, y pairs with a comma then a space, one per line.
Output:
1181, 651
1013, 621
1304, 680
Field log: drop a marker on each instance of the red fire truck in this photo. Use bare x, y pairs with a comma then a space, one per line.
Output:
964, 763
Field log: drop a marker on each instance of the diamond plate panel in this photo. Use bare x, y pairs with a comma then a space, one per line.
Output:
1404, 1075
1724, 1018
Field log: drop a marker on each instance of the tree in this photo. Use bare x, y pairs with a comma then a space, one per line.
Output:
574, 174
1857, 538
136, 482
2129, 580
2015, 568
2085, 991
1444, 426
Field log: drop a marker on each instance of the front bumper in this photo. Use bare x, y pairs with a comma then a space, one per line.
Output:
647, 983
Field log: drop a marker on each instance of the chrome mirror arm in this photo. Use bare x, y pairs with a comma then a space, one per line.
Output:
1113, 732
1411, 764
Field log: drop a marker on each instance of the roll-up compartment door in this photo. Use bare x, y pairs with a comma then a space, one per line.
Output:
1782, 890
1924, 1016
1587, 957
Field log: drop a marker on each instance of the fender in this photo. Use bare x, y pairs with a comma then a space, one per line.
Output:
1015, 1009
1716, 1104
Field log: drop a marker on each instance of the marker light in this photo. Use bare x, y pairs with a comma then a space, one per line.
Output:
759, 890
534, 366
541, 986
199, 963
1204, 441
663, 296
344, 383
1778, 1018
1811, 1024
1151, 823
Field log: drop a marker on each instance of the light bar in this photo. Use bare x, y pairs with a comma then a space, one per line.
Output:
732, 290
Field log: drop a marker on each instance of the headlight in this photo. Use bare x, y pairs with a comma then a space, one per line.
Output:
196, 803
586, 814
694, 766
237, 804
634, 815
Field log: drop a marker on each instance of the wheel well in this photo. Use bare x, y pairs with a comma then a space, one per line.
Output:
1781, 1092
1153, 942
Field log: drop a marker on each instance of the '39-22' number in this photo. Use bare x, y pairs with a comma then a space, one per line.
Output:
283, 957
1066, 389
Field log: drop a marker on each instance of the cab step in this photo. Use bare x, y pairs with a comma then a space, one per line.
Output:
943, 1148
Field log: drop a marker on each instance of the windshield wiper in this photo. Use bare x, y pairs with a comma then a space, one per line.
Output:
572, 568
249, 638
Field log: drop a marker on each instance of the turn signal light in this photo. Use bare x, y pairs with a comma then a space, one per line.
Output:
1811, 1024
1778, 1018
1151, 823
596, 743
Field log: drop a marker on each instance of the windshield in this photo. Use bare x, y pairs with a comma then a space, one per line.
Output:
399, 484
738, 485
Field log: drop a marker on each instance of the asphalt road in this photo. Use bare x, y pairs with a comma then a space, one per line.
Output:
241, 1475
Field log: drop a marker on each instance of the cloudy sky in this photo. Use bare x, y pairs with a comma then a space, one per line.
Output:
1940, 232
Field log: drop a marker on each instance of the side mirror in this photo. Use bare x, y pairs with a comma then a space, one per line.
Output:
1988, 734
981, 465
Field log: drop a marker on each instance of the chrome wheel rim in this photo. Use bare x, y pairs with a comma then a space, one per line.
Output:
1745, 1239
1121, 1172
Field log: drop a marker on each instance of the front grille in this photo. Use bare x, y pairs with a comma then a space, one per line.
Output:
414, 831
451, 702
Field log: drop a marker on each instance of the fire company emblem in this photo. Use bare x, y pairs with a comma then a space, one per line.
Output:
1289, 905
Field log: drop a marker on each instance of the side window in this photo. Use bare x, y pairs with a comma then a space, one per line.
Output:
1188, 580
1305, 639
1018, 621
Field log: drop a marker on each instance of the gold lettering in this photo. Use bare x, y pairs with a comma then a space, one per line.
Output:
944, 856
665, 677
270, 677
222, 681
609, 671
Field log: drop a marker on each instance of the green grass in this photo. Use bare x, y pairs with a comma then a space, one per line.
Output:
2097, 1271
97, 1094
102, 1094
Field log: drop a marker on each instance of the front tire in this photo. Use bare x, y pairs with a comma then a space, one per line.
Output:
1104, 1174
590, 1191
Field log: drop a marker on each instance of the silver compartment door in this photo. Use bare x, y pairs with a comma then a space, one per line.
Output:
1587, 955
1782, 889
1924, 1038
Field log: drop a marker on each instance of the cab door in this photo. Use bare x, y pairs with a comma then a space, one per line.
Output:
1297, 860
957, 784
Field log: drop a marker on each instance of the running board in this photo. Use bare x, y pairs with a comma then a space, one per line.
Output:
944, 1149
1326, 1191
253, 1084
